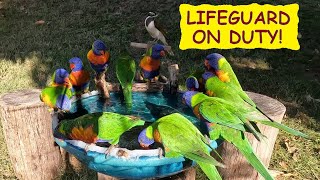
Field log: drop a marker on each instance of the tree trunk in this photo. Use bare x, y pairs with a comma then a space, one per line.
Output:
27, 129
237, 165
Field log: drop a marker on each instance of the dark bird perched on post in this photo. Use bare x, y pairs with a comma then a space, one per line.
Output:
155, 30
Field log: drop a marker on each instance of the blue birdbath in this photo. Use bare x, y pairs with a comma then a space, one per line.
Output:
129, 160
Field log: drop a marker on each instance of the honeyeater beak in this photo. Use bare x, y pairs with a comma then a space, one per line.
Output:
162, 53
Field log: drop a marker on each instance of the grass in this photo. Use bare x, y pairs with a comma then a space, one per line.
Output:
29, 53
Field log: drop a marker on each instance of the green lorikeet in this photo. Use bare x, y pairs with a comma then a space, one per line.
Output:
58, 94
180, 137
218, 65
224, 120
215, 87
125, 70
99, 127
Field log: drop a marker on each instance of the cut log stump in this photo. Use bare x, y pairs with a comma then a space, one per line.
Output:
237, 166
27, 128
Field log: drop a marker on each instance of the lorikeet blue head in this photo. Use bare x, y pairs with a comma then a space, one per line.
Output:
192, 83
98, 47
206, 75
144, 140
211, 61
61, 76
187, 96
76, 64
157, 51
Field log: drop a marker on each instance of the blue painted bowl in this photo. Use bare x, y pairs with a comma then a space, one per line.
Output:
125, 162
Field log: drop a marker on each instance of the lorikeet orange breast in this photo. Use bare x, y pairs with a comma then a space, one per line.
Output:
98, 56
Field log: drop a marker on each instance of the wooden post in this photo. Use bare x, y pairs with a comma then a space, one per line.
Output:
237, 165
27, 129
101, 84
173, 78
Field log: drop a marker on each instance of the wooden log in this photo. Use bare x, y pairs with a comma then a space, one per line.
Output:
237, 165
173, 78
101, 84
138, 87
27, 129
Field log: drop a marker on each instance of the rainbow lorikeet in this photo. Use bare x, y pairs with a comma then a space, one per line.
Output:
229, 122
99, 127
125, 70
79, 77
150, 63
98, 56
218, 64
58, 94
227, 91
181, 138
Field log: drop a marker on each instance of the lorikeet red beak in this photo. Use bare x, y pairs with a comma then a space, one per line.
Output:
72, 66
162, 53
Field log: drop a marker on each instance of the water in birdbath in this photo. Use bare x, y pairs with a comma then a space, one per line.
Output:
148, 106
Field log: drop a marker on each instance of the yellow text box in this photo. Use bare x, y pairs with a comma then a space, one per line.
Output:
244, 26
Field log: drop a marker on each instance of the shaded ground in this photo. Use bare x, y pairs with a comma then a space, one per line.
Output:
30, 52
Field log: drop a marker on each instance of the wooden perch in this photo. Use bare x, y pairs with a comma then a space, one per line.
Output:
146, 46
27, 129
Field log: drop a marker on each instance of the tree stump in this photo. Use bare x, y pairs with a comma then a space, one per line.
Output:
27, 129
237, 165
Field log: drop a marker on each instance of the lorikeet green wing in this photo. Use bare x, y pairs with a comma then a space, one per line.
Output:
180, 137
216, 110
105, 126
125, 70
215, 87
238, 139
58, 97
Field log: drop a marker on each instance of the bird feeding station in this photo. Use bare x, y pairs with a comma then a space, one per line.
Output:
35, 156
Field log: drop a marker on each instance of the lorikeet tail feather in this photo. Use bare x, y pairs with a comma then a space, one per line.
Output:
210, 170
127, 93
284, 128
205, 158
253, 131
244, 147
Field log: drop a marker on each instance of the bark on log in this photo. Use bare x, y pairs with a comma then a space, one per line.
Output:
27, 129
237, 166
